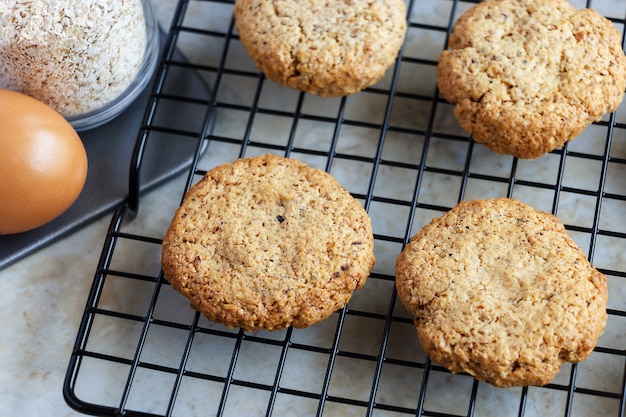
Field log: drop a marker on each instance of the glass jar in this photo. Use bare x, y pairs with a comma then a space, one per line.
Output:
87, 59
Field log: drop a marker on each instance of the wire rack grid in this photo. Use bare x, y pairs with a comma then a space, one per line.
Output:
141, 351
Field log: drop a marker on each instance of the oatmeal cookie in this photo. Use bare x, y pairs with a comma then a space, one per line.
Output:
500, 291
325, 48
527, 76
267, 243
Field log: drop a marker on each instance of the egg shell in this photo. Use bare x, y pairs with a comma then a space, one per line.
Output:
43, 163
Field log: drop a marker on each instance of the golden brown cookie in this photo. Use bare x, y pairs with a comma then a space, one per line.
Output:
499, 290
325, 48
267, 243
527, 76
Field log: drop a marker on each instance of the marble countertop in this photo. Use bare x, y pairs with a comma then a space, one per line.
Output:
42, 297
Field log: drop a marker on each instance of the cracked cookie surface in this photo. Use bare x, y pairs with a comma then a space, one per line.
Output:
527, 76
267, 242
325, 48
500, 291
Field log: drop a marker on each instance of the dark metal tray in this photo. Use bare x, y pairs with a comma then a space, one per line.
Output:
110, 150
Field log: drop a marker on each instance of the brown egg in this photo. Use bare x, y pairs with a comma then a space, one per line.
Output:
43, 163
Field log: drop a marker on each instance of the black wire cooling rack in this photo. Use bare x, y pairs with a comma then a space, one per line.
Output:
141, 351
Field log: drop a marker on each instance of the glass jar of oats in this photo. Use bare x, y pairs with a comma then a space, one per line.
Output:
87, 59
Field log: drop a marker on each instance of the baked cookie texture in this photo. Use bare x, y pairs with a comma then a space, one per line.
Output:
501, 292
324, 48
268, 242
527, 76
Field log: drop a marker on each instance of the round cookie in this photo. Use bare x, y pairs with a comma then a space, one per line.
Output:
500, 291
527, 76
325, 48
267, 243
